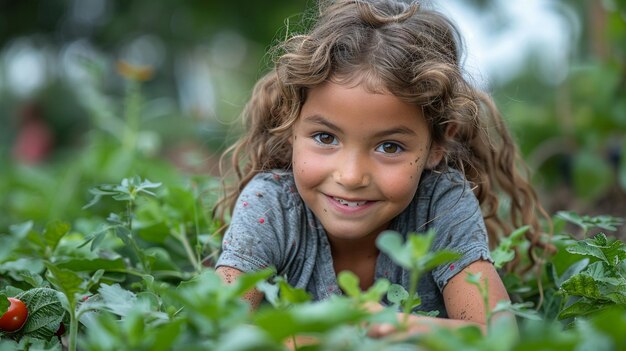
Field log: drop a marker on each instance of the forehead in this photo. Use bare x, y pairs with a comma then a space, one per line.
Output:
348, 106
341, 93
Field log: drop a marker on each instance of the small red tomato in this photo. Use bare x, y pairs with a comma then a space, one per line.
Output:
14, 319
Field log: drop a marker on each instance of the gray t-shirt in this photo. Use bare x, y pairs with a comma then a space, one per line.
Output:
271, 226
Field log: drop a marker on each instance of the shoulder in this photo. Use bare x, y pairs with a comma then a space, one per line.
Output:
265, 218
272, 186
434, 183
449, 189
453, 210
269, 197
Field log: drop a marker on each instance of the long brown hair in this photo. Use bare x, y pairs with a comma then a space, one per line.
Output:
412, 53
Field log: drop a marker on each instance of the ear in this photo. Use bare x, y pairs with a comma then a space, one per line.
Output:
437, 151
434, 156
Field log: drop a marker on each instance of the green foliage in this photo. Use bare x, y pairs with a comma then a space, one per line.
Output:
505, 251
111, 301
416, 256
602, 283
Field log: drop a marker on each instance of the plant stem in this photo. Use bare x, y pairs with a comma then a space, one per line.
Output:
129, 215
131, 238
408, 304
181, 234
295, 344
133, 106
73, 329
484, 291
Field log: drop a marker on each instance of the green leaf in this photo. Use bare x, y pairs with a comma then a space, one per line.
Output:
612, 323
279, 293
376, 291
246, 337
247, 281
165, 335
572, 270
582, 307
420, 244
96, 237
391, 243
504, 253
397, 294
523, 310
66, 281
501, 257
600, 247
117, 299
315, 317
45, 313
434, 259
54, 232
19, 231
291, 294
605, 222
582, 285
270, 291
473, 278
349, 283
94, 264
4, 303
35, 280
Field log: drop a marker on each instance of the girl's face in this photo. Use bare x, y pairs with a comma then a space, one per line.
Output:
358, 157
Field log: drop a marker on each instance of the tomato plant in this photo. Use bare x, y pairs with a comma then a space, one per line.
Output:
15, 317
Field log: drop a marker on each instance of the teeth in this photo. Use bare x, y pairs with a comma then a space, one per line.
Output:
350, 203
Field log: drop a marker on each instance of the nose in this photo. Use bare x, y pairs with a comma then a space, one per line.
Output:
352, 171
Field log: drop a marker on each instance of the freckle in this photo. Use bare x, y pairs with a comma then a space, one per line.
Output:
325, 210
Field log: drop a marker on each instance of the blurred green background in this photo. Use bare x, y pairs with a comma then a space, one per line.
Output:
92, 91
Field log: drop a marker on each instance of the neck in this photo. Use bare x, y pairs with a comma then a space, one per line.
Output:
354, 248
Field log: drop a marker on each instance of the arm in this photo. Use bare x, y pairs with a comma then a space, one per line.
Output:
254, 297
463, 301
229, 275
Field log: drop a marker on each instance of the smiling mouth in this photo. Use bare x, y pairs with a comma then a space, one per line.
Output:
350, 203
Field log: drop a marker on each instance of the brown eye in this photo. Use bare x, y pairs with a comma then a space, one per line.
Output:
389, 148
325, 138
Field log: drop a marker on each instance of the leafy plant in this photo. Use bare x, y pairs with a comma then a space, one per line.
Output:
602, 283
415, 256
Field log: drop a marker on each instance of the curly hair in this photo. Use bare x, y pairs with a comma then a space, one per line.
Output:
412, 53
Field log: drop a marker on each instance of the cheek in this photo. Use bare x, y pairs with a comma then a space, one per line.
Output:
402, 184
308, 168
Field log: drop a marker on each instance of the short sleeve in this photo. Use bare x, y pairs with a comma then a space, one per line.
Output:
256, 236
458, 224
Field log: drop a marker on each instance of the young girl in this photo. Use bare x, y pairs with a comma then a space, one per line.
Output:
367, 124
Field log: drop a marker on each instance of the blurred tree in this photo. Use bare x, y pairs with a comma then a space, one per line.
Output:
573, 133
205, 54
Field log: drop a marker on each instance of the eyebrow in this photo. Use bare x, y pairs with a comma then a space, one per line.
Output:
318, 119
